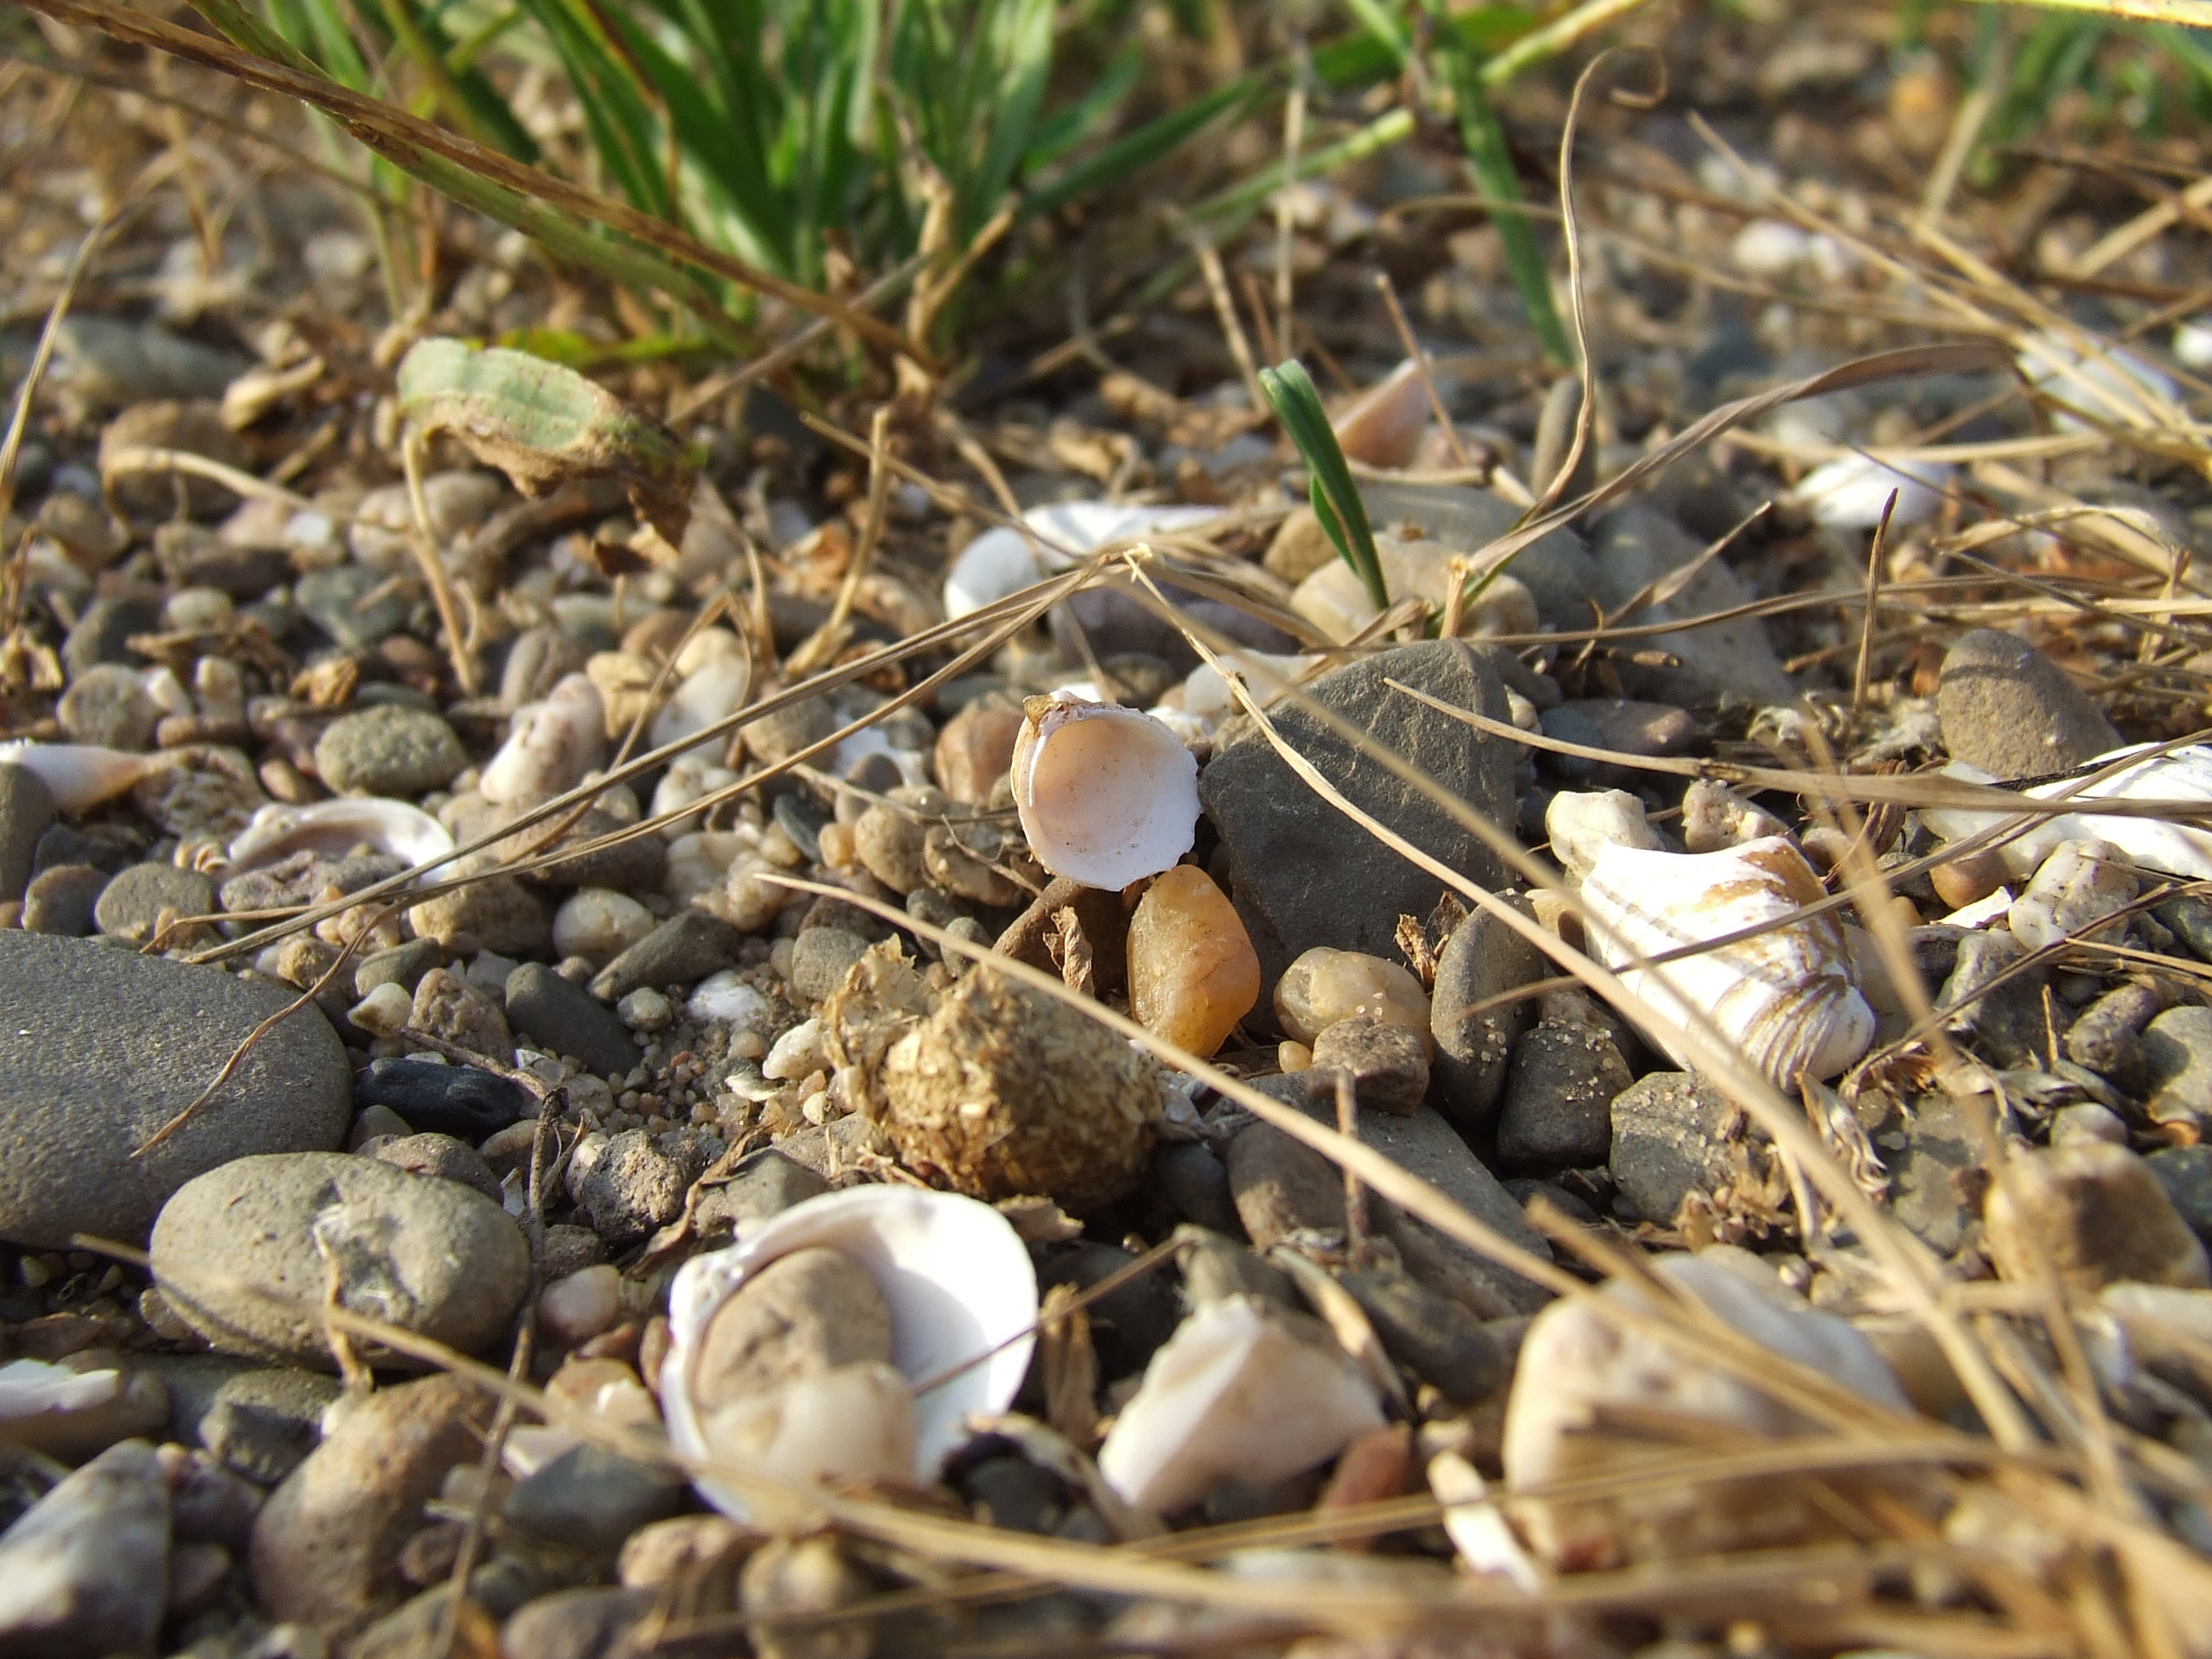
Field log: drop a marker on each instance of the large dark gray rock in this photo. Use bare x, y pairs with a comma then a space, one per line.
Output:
2010, 710
101, 1047
1304, 874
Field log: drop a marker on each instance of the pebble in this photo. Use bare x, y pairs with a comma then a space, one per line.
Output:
2177, 1063
1129, 1323
431, 1256
326, 1545
765, 1184
590, 1500
1432, 1335
85, 1569
2070, 1124
891, 844
779, 736
108, 363
687, 947
258, 1420
2107, 1037
104, 628
440, 1157
553, 743
2009, 710
575, 1309
1575, 1362
599, 924
591, 1623
448, 1005
1324, 986
1191, 1178
102, 1047
118, 1401
629, 1187
1635, 547
646, 1010
1304, 876
1674, 1133
1282, 1188
1629, 727
566, 1019
976, 748
130, 906
454, 501
796, 1053
61, 900
1558, 1113
820, 959
725, 998
2185, 1172
1935, 1176
1191, 971
799, 1577
662, 1553
107, 706
194, 425
570, 1250
1214, 1267
2098, 1212
2007, 1024
804, 1314
338, 602
26, 811
403, 965
636, 865
1482, 958
1387, 1060
391, 750
2077, 886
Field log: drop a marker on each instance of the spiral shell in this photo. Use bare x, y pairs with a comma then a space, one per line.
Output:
1785, 998
957, 1280
1107, 795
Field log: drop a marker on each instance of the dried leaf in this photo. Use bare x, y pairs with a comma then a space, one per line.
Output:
543, 425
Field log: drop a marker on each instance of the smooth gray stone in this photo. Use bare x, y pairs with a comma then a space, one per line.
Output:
86, 1572
565, 1019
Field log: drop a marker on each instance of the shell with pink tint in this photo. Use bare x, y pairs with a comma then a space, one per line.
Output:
1107, 795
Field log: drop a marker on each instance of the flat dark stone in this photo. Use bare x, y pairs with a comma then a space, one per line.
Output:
566, 1019
465, 1102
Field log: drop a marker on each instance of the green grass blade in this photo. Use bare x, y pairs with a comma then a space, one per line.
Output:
618, 112
1134, 151
1289, 393
1492, 166
1070, 124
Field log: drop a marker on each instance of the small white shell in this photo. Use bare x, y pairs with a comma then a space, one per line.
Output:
1581, 823
552, 745
2080, 883
957, 1277
1107, 795
1001, 562
1239, 1389
337, 827
2105, 382
2159, 844
1786, 998
78, 774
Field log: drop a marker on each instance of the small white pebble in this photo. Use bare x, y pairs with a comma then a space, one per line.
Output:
578, 1308
383, 1011
644, 1010
599, 924
748, 1045
727, 998
489, 969
795, 1054
2192, 345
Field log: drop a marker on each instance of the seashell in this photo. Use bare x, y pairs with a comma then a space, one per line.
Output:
1242, 1389
337, 827
962, 1295
999, 563
1849, 492
2079, 885
2174, 849
2107, 384
1383, 426
550, 746
1107, 795
1205, 699
711, 691
78, 774
1582, 824
1785, 998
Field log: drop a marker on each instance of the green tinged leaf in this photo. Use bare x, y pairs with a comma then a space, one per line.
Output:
542, 425
1289, 393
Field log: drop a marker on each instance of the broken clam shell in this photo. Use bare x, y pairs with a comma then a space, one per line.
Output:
337, 827
959, 1283
1001, 562
1107, 795
2161, 844
78, 774
1785, 999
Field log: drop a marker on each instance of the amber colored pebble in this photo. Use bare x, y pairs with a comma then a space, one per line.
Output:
1374, 1467
1962, 881
1192, 973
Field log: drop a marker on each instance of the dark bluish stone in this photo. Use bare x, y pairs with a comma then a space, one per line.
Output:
461, 1101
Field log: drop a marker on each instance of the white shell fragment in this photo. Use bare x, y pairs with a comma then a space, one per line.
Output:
1785, 998
1576, 1362
1582, 824
2080, 883
999, 563
1107, 795
337, 827
2107, 384
712, 691
29, 1388
962, 1298
1241, 1389
78, 774
2173, 847
551, 746
1849, 492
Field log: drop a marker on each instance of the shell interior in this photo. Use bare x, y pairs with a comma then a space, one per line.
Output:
2175, 850
1001, 562
1107, 795
78, 775
959, 1283
337, 827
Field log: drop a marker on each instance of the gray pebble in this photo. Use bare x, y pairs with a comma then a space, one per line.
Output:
333, 600
686, 948
1932, 1182
766, 1184
431, 1256
105, 705
2008, 710
1673, 1134
2107, 1037
194, 425
1282, 1187
61, 900
1215, 1268
86, 1570
820, 959
102, 1047
440, 1157
2185, 1172
105, 627
1559, 1097
890, 843
389, 751
631, 1187
2176, 1051
131, 906
403, 965
107, 362
258, 1420
27, 810
1434, 1337
2006, 1025
566, 1019
629, 866
590, 1500
570, 1250
1482, 958
777, 736
1193, 1181
1388, 1062
1635, 547
592, 1623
